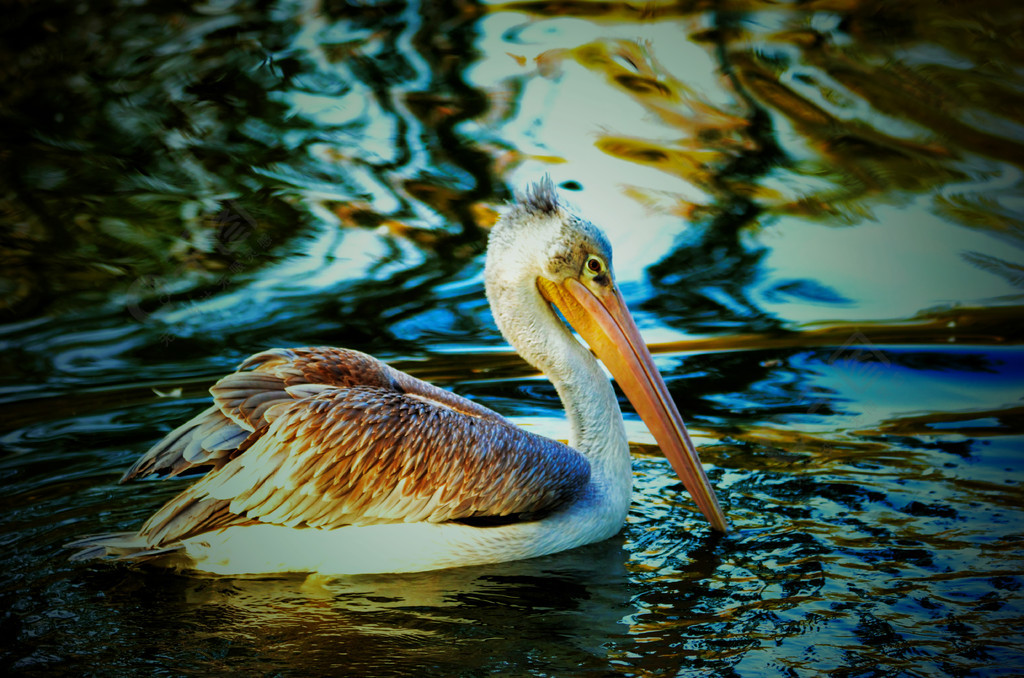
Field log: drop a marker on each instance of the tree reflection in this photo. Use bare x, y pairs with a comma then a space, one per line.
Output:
122, 158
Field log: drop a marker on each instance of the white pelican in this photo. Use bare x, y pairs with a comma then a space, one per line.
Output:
327, 460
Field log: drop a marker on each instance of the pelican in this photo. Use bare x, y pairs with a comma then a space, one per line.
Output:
326, 460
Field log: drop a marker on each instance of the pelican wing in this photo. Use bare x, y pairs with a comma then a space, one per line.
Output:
277, 377
334, 456
208, 439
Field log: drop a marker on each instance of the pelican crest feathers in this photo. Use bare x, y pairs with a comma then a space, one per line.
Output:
540, 198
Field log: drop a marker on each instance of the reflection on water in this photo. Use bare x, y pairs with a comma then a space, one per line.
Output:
817, 220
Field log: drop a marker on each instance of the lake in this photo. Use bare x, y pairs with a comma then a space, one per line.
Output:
817, 213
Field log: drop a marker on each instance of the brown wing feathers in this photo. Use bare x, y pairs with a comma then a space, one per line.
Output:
339, 438
243, 399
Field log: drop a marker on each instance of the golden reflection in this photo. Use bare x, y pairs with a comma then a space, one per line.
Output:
1008, 421
993, 212
885, 100
708, 137
443, 199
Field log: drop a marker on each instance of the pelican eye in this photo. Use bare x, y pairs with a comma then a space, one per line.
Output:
596, 270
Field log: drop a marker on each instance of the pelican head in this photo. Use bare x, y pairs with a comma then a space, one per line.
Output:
542, 257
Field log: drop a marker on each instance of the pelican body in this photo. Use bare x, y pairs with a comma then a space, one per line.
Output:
327, 460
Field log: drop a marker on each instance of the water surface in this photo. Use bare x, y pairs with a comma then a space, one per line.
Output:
816, 211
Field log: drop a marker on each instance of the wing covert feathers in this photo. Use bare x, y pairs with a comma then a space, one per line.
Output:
246, 401
331, 437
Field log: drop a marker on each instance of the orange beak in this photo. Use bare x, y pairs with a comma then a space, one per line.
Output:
602, 319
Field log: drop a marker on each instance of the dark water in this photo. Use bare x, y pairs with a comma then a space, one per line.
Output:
816, 210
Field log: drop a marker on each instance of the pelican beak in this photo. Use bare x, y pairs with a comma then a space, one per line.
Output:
600, 316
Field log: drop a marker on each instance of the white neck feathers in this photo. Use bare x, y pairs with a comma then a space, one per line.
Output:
529, 323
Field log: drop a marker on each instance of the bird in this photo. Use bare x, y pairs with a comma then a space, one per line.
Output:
326, 460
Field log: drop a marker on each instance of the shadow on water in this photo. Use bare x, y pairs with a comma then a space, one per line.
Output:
817, 221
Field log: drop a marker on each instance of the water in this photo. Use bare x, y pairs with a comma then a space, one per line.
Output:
816, 216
